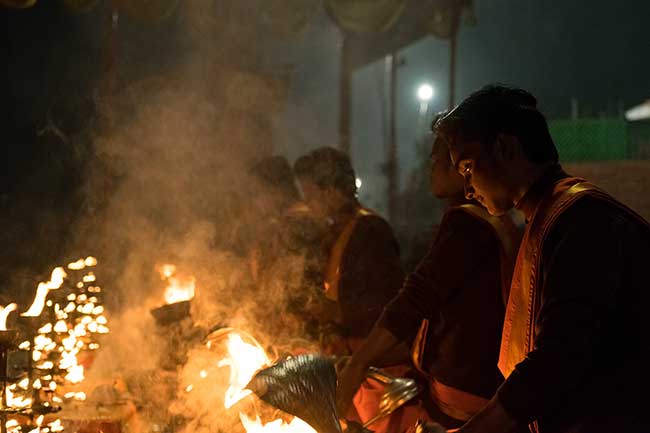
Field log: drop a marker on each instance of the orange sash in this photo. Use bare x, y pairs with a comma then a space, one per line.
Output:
517, 339
333, 272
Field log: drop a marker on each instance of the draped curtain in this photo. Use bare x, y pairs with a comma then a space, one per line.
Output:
365, 16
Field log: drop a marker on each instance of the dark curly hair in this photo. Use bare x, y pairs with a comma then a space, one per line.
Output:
496, 109
275, 172
327, 167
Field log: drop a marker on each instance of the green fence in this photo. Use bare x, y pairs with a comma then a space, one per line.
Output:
590, 139
605, 139
638, 140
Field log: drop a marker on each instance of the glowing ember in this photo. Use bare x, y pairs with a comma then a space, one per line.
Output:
276, 426
244, 360
4, 313
56, 280
179, 287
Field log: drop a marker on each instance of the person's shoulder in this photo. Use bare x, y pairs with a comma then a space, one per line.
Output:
462, 219
596, 222
596, 212
372, 222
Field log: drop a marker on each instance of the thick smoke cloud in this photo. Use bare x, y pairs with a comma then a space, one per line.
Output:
170, 183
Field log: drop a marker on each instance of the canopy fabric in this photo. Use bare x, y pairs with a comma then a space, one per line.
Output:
80, 6
18, 4
288, 18
150, 11
444, 16
365, 16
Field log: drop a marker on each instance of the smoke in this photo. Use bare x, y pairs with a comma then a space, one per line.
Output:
169, 183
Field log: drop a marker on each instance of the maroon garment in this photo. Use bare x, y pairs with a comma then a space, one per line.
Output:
371, 275
587, 371
458, 288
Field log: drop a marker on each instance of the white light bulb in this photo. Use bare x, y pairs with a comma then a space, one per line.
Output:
425, 92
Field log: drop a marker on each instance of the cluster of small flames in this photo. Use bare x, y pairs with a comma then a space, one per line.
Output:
64, 335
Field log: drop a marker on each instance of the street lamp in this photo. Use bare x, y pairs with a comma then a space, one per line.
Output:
425, 93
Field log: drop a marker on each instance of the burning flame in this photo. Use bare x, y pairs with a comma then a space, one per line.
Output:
276, 426
244, 360
4, 314
56, 280
83, 263
16, 402
179, 287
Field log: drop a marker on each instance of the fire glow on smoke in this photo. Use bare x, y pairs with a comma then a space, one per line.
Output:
180, 287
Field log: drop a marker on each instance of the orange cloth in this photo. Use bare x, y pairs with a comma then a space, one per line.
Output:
366, 406
523, 303
333, 271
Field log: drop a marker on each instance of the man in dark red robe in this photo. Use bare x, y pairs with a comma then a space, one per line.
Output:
574, 344
451, 307
363, 270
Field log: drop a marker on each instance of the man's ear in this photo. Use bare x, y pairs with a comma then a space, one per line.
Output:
506, 148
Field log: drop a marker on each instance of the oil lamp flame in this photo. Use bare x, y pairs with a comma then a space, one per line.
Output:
4, 314
179, 287
56, 280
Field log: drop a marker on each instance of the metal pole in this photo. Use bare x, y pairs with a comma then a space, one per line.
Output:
111, 50
392, 169
453, 39
344, 97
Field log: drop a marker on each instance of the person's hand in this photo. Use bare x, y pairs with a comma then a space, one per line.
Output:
349, 381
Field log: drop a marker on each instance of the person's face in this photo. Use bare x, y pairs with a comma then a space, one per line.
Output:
485, 175
315, 198
445, 180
